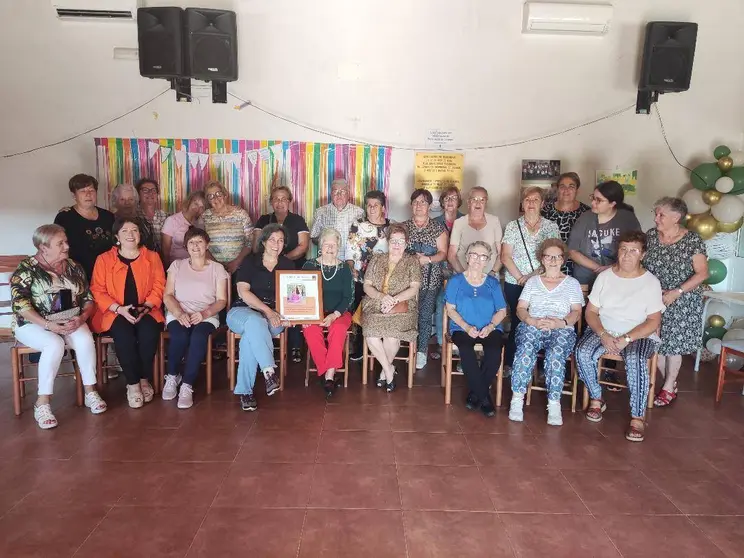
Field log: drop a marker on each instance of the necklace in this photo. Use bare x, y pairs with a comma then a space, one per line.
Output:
322, 271
50, 267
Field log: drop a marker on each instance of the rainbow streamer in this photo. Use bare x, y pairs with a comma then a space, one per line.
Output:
247, 168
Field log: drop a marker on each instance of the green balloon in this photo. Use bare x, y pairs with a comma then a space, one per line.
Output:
713, 333
721, 151
704, 176
737, 175
716, 272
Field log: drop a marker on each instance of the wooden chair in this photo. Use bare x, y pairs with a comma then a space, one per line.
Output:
368, 360
233, 351
570, 385
18, 364
619, 359
449, 358
735, 347
310, 368
165, 336
102, 365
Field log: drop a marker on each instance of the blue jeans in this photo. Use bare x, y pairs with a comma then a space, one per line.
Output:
191, 342
256, 345
558, 345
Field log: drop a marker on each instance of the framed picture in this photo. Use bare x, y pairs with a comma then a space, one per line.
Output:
299, 296
540, 170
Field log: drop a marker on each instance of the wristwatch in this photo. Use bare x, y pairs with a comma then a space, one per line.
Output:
627, 339
681, 290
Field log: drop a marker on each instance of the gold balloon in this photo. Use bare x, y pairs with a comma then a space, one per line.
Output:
692, 220
706, 226
686, 220
730, 227
716, 321
712, 197
725, 163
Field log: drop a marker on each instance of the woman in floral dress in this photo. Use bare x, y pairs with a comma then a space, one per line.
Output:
678, 259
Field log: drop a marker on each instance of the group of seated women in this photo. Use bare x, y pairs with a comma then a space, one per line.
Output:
408, 271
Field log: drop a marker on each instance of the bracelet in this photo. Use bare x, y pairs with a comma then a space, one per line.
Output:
46, 325
429, 259
565, 321
116, 310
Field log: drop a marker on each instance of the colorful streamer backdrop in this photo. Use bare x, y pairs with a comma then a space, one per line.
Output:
247, 168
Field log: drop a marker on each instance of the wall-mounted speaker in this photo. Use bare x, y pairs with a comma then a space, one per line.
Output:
668, 54
212, 44
160, 33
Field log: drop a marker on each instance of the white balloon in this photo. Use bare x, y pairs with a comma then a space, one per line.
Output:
714, 346
694, 200
738, 158
733, 334
725, 184
734, 362
722, 309
729, 210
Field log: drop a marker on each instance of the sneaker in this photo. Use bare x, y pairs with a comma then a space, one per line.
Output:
420, 360
185, 396
272, 383
248, 402
329, 386
555, 418
296, 355
390, 387
171, 387
516, 409
488, 409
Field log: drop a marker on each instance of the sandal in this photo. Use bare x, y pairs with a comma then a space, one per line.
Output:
634, 433
95, 403
147, 392
435, 355
135, 397
665, 398
44, 417
594, 414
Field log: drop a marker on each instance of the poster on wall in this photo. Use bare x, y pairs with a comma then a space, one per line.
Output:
628, 179
436, 171
543, 173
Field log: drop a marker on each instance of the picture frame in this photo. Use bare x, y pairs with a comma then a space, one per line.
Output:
299, 296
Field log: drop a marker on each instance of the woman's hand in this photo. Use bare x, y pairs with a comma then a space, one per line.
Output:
424, 260
330, 318
58, 328
232, 266
184, 319
620, 343
71, 326
486, 331
196, 318
124, 311
144, 310
609, 343
670, 297
523, 279
472, 331
600, 268
274, 318
387, 303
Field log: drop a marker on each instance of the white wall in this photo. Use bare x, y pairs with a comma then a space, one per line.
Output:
463, 66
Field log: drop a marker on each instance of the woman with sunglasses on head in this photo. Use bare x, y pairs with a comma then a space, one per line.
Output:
565, 210
229, 228
476, 308
549, 307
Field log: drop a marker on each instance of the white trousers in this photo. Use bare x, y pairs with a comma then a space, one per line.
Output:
52, 348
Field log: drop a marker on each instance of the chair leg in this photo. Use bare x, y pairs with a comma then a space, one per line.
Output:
651, 381
574, 385
231, 360
721, 374
100, 375
282, 358
412, 364
15, 365
365, 361
79, 397
448, 376
209, 365
346, 363
500, 381
161, 353
308, 358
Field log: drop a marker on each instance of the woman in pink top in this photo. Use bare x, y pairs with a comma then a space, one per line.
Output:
195, 293
175, 227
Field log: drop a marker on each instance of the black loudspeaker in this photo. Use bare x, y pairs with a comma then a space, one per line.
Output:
667, 56
160, 34
212, 44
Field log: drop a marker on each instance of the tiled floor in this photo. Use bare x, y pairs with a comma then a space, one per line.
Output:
369, 474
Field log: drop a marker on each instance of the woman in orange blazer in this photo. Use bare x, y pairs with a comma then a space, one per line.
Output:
127, 285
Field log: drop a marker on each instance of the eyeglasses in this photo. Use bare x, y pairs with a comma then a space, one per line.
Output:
552, 258
397, 242
148, 191
450, 198
478, 257
479, 199
281, 200
210, 197
567, 187
342, 192
419, 202
630, 251
598, 200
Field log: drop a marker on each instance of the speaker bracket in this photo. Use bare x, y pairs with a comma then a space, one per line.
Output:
219, 92
644, 101
182, 87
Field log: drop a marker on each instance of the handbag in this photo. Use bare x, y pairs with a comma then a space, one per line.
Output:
400, 308
526, 251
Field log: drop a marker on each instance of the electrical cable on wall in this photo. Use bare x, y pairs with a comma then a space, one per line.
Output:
88, 131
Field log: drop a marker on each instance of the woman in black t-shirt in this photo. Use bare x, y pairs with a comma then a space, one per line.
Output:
88, 227
253, 315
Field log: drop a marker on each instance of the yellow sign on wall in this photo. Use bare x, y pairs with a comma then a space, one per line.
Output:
436, 171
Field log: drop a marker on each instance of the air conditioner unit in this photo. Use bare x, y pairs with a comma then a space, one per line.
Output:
566, 19
96, 10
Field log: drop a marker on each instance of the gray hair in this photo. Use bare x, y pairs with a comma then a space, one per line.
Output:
339, 182
44, 234
477, 189
480, 244
116, 194
677, 205
328, 231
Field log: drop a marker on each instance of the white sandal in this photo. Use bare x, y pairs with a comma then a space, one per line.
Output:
95, 403
135, 397
44, 416
147, 392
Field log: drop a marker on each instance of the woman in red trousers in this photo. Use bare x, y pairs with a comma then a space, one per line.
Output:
338, 299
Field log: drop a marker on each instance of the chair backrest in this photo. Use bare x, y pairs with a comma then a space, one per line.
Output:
8, 265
